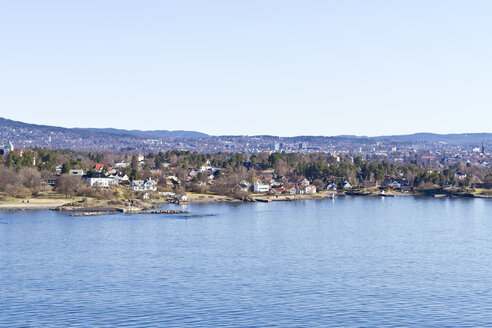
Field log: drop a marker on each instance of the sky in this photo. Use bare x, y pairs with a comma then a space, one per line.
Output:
286, 68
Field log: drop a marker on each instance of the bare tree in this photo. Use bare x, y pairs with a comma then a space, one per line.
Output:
31, 178
68, 184
7, 177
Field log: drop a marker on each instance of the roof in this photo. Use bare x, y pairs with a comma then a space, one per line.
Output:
98, 166
96, 175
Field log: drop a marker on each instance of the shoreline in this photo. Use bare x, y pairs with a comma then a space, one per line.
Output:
71, 205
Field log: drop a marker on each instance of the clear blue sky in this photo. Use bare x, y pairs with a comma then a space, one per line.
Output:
249, 67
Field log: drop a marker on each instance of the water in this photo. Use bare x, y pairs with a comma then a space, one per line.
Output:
351, 262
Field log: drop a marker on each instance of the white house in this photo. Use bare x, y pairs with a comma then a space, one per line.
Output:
121, 165
304, 182
310, 189
243, 185
142, 185
331, 186
259, 187
98, 180
115, 179
346, 185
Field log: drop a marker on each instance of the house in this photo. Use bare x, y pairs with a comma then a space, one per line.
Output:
332, 186
115, 179
260, 187
76, 172
208, 169
243, 185
304, 182
278, 190
310, 189
142, 185
97, 179
98, 167
401, 184
51, 181
112, 170
121, 165
346, 185
460, 176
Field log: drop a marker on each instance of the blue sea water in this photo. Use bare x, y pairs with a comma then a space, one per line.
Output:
348, 262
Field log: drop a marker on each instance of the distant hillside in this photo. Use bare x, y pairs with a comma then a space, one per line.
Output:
6, 123
151, 133
117, 140
456, 139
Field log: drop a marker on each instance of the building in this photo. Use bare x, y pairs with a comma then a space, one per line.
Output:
99, 167
143, 185
98, 179
331, 186
8, 148
76, 172
346, 185
260, 187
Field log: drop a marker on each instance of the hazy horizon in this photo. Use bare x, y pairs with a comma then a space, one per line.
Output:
282, 68
252, 135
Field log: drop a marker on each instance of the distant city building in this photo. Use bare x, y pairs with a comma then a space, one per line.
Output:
275, 147
8, 148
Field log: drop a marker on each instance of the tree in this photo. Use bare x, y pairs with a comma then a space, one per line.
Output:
68, 184
319, 183
218, 174
7, 177
134, 163
31, 178
134, 175
66, 167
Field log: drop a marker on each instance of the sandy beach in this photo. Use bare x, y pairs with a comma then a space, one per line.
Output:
33, 204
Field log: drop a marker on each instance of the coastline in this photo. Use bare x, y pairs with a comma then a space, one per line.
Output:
77, 205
